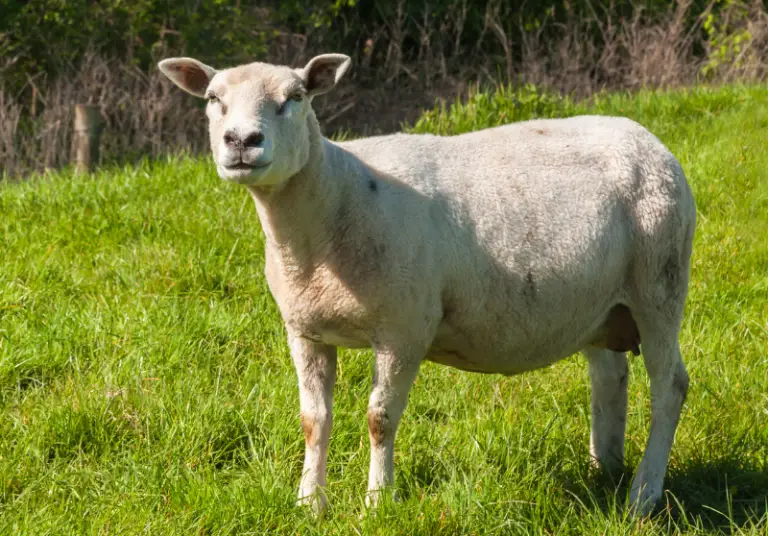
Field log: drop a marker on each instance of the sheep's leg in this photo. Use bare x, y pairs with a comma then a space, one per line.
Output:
316, 368
394, 375
669, 386
608, 372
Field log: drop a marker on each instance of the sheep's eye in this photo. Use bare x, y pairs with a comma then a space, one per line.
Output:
297, 97
213, 99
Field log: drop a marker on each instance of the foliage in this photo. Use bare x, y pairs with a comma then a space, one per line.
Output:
48, 37
727, 36
146, 387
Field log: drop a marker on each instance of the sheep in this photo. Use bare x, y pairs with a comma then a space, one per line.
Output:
497, 251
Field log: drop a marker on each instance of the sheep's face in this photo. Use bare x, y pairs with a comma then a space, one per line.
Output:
258, 113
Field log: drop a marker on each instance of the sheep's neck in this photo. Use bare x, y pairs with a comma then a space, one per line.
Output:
299, 218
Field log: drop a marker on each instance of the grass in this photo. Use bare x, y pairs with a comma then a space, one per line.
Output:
146, 387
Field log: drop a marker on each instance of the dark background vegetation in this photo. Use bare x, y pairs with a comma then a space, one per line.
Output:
56, 53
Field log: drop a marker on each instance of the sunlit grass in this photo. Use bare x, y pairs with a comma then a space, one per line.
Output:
146, 387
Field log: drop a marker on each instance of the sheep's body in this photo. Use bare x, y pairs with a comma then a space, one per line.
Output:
518, 239
501, 251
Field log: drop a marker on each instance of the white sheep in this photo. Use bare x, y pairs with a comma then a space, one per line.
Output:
498, 251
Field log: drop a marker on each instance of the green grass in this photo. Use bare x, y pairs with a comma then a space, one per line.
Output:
146, 387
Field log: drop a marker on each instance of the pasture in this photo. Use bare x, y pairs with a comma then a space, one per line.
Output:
146, 386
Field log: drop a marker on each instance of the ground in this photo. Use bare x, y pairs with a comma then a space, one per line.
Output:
146, 386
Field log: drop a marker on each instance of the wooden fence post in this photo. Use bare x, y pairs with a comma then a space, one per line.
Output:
86, 139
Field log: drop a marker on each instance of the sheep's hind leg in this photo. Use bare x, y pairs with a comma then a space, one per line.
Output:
669, 386
394, 374
316, 368
608, 373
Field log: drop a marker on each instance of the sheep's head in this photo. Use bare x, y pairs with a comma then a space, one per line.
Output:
258, 113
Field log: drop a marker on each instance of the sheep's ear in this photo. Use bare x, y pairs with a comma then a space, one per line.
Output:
323, 72
189, 74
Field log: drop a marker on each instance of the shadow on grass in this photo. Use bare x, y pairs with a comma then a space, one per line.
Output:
725, 495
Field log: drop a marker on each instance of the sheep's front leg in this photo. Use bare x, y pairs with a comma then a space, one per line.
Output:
316, 368
608, 372
393, 377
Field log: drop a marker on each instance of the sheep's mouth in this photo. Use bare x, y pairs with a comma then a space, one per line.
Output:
242, 166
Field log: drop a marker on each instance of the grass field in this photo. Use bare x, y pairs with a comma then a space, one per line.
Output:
146, 387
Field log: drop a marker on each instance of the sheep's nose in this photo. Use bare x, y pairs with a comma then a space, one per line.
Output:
252, 140
231, 138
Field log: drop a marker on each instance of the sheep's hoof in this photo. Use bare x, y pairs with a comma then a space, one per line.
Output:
316, 502
373, 500
643, 499
374, 497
